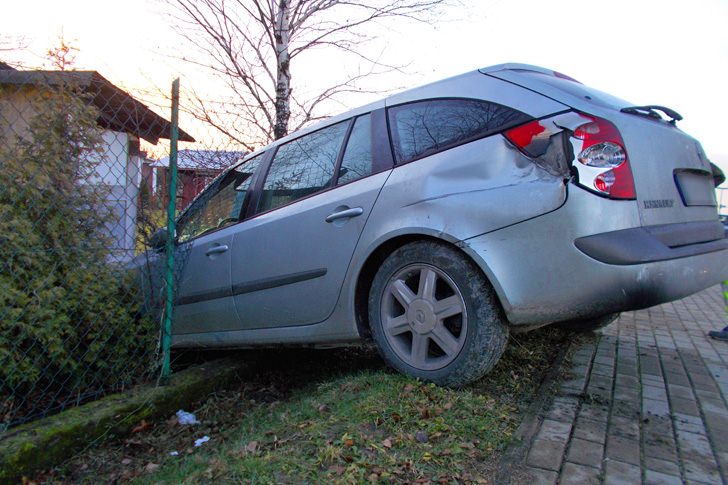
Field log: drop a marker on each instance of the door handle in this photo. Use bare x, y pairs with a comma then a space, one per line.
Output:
216, 250
345, 214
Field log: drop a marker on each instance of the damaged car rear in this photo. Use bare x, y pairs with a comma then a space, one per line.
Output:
440, 219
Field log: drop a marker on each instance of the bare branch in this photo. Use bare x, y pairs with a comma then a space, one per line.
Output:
250, 45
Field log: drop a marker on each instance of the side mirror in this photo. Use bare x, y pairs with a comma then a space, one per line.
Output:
158, 240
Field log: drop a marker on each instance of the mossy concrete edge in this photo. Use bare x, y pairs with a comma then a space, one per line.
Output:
48, 442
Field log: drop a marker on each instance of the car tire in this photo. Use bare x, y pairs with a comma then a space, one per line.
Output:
588, 324
434, 315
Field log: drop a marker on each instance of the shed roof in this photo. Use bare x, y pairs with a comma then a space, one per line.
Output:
202, 159
119, 110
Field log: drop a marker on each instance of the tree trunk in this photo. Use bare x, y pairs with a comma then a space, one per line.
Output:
283, 72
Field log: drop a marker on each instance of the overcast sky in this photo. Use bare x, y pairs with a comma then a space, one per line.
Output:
673, 53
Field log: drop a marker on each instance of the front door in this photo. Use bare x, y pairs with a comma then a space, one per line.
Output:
203, 299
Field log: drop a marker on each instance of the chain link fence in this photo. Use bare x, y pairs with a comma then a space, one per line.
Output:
82, 290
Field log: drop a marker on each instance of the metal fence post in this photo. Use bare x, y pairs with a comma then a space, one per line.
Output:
171, 209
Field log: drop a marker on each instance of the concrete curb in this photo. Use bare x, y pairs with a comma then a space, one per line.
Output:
48, 442
515, 454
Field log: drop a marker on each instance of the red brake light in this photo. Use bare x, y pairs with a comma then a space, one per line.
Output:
523, 135
602, 163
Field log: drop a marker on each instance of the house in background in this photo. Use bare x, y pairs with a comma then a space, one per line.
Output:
195, 170
124, 121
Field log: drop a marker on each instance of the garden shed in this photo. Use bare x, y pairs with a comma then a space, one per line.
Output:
124, 121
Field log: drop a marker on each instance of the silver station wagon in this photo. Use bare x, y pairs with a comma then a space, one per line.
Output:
439, 219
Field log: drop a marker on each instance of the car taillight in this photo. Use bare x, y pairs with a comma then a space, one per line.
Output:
603, 164
523, 135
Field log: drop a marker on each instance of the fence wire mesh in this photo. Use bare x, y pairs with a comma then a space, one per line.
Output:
82, 288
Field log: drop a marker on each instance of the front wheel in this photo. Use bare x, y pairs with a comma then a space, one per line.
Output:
434, 315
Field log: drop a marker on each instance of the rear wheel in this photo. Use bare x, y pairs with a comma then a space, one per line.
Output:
434, 315
588, 324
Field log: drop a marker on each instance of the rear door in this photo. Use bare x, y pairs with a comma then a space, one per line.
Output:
673, 178
290, 259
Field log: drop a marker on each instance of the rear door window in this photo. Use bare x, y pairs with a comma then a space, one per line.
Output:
303, 167
357, 160
426, 127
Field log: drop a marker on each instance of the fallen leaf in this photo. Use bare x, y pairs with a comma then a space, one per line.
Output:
151, 467
349, 442
408, 388
337, 469
396, 417
387, 443
424, 413
251, 447
144, 425
447, 406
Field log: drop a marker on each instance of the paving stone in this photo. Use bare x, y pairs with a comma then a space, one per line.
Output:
652, 407
651, 392
701, 471
677, 379
576, 474
590, 430
621, 473
585, 452
688, 423
682, 392
713, 406
594, 411
576, 385
653, 477
662, 466
659, 443
554, 431
546, 454
694, 445
623, 449
563, 409
684, 406
625, 427
603, 370
540, 476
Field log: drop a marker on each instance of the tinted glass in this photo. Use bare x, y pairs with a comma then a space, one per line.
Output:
302, 167
220, 205
426, 127
357, 161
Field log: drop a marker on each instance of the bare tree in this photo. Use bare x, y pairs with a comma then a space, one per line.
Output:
63, 54
251, 44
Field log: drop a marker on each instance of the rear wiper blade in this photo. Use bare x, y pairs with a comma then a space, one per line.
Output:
651, 111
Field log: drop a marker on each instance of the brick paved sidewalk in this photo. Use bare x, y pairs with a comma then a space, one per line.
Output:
644, 401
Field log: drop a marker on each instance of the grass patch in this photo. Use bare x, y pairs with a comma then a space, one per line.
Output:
366, 426
332, 417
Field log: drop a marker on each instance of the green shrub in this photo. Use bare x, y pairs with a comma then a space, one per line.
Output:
70, 325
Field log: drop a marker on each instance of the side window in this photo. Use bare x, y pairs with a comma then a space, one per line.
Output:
357, 161
427, 127
302, 167
220, 204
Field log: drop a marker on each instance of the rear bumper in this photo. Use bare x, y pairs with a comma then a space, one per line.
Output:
542, 276
650, 244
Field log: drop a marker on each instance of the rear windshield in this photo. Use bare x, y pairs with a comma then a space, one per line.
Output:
597, 97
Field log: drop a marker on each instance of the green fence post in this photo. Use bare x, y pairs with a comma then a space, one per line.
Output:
171, 209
